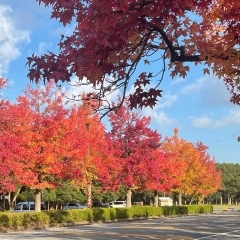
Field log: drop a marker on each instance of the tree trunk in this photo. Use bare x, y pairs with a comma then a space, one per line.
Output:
156, 199
221, 201
89, 185
89, 194
180, 199
9, 200
38, 200
12, 203
129, 198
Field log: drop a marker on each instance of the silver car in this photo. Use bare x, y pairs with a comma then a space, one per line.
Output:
27, 207
68, 206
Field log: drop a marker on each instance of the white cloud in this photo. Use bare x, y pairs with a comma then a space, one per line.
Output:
42, 47
210, 91
195, 87
231, 119
215, 94
162, 118
66, 31
202, 122
177, 80
10, 38
31, 15
74, 91
167, 100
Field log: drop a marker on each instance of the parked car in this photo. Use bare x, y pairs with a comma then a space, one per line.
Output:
117, 204
27, 207
100, 205
73, 205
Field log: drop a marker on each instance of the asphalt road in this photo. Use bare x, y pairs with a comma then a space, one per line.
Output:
223, 225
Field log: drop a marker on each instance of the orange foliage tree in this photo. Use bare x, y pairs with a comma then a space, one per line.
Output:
185, 157
90, 159
209, 179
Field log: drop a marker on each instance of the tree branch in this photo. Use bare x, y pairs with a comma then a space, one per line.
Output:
175, 57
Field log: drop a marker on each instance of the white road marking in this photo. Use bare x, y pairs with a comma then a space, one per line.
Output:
221, 234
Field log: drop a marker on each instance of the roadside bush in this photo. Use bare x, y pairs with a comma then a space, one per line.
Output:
121, 213
59, 216
81, 215
39, 219
35, 219
171, 210
136, 211
193, 209
183, 210
70, 216
104, 214
154, 211
16, 220
5, 220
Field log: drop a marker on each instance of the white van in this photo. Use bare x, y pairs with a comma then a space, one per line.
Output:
117, 204
27, 207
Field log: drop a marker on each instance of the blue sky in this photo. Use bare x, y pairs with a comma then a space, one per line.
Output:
198, 105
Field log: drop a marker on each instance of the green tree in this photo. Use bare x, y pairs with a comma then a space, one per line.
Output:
26, 195
230, 180
69, 193
49, 196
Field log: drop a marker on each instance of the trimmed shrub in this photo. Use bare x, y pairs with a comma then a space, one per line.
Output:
35, 219
16, 220
154, 211
38, 219
104, 214
81, 215
193, 209
183, 210
5, 220
171, 210
59, 216
136, 211
121, 213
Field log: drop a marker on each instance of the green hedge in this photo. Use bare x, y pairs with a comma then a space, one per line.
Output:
40, 219
104, 214
15, 220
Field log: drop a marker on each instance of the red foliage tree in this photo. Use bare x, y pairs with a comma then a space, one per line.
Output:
112, 37
7, 141
137, 149
34, 138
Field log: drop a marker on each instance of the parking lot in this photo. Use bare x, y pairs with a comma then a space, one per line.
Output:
222, 225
